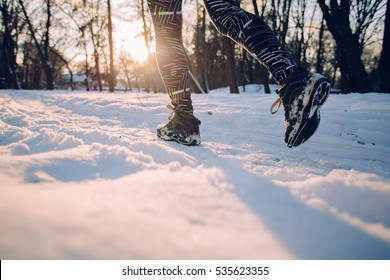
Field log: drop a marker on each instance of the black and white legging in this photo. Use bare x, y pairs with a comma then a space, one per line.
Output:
248, 30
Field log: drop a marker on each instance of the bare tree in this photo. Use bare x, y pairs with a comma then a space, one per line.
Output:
125, 63
350, 41
279, 16
91, 20
78, 15
43, 52
286, 8
384, 62
298, 45
96, 27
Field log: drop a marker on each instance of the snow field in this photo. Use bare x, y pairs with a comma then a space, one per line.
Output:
83, 176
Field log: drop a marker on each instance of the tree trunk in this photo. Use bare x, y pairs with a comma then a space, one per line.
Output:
96, 56
46, 41
148, 73
200, 49
259, 67
231, 67
247, 58
8, 66
337, 19
111, 45
320, 50
255, 7
87, 86
384, 62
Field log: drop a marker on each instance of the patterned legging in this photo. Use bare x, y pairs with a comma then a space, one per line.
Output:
248, 30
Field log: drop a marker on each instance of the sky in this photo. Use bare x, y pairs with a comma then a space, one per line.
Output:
128, 39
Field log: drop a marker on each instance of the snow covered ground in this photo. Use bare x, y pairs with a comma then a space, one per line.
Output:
83, 176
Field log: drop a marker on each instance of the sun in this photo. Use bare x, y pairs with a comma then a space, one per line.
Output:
128, 39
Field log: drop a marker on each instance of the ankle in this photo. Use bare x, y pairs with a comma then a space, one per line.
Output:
182, 110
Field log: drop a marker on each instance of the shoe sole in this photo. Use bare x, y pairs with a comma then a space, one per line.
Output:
311, 112
194, 142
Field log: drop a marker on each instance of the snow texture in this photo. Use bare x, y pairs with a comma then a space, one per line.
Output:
83, 176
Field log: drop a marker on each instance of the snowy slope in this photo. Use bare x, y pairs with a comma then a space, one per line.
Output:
83, 176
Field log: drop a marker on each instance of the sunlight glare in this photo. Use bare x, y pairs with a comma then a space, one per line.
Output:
128, 39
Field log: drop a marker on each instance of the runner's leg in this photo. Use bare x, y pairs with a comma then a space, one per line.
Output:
171, 56
252, 33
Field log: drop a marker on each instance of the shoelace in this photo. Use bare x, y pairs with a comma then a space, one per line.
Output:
278, 103
177, 110
170, 107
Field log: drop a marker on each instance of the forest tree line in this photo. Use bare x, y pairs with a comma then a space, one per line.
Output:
48, 44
